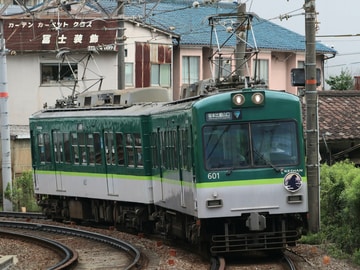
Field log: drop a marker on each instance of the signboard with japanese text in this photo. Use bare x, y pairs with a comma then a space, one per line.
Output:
48, 35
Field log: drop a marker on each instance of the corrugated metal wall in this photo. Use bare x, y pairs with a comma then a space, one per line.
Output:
145, 55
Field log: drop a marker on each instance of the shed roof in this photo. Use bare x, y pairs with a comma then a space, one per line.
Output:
339, 117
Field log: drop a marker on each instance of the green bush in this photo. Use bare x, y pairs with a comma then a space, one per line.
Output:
22, 193
340, 206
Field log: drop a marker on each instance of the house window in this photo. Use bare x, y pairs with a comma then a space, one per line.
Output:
58, 73
223, 67
301, 64
160, 75
129, 74
190, 69
261, 70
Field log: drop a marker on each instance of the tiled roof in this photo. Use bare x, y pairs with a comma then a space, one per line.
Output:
339, 117
193, 26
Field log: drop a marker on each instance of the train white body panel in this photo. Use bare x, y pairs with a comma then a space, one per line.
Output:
110, 187
239, 200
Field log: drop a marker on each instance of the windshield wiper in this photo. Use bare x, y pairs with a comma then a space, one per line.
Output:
267, 162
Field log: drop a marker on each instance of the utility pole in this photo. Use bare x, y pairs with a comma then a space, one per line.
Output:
120, 43
5, 127
240, 41
312, 130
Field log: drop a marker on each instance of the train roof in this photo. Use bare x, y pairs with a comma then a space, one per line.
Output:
129, 102
149, 108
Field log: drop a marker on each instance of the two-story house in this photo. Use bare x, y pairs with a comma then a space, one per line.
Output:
56, 50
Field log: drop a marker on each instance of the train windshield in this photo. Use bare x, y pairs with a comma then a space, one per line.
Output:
262, 144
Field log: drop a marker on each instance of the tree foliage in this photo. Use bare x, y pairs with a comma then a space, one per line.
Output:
340, 205
343, 81
22, 193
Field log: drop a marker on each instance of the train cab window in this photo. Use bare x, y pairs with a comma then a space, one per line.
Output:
44, 148
226, 146
275, 143
262, 144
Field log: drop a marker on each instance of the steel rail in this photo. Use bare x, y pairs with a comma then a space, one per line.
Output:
117, 243
70, 257
289, 264
27, 215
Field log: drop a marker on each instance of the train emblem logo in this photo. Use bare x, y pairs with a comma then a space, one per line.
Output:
292, 182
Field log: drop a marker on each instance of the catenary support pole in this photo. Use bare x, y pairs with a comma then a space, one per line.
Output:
120, 44
240, 41
312, 130
5, 127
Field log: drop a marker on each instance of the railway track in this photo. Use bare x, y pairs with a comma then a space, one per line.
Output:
285, 263
159, 252
133, 260
69, 257
24, 215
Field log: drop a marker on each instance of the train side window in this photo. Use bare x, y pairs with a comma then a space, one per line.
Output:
186, 150
67, 148
120, 148
74, 147
44, 148
138, 150
130, 150
90, 148
109, 148
162, 145
82, 148
154, 150
172, 147
97, 148
58, 146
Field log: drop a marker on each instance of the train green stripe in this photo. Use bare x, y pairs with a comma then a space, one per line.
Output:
102, 175
249, 182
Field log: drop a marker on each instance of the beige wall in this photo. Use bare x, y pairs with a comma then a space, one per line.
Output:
20, 158
26, 93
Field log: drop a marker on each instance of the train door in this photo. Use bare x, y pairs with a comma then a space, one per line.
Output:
58, 147
179, 154
161, 147
34, 157
110, 162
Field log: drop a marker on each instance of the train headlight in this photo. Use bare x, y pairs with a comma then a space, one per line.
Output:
292, 182
257, 98
238, 99
247, 99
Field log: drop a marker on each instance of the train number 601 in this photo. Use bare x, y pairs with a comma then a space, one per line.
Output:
214, 175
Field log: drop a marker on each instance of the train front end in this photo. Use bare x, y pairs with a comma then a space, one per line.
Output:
252, 188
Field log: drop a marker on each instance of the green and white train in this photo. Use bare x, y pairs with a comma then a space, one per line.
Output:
224, 171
